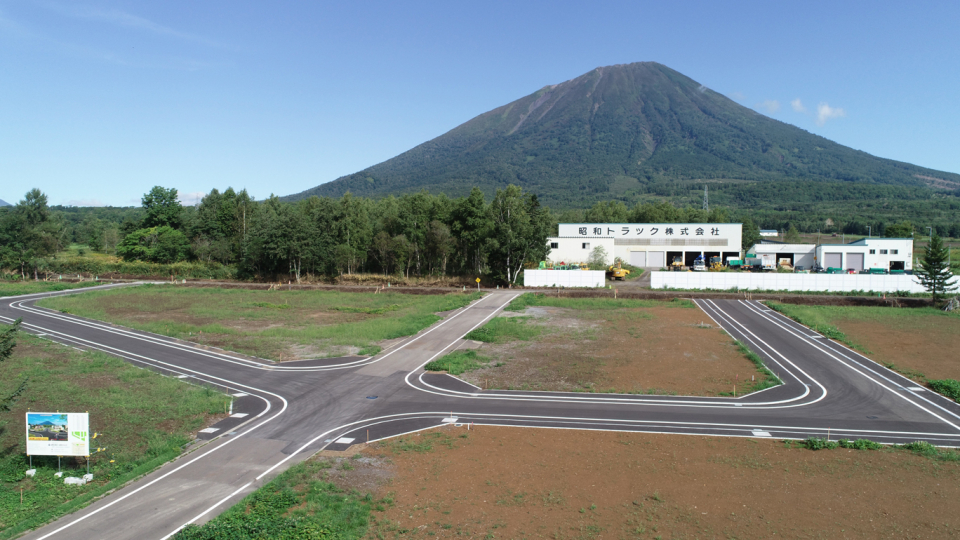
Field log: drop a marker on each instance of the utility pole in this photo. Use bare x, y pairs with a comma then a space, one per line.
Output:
869, 231
706, 201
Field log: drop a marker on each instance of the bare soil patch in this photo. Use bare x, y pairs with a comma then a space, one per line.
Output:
928, 345
526, 483
659, 350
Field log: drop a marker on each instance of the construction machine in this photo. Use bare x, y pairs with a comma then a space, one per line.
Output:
716, 264
677, 264
618, 272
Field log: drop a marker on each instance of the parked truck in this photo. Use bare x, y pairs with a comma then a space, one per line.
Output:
768, 261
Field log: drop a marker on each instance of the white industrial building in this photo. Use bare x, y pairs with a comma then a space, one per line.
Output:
864, 254
650, 245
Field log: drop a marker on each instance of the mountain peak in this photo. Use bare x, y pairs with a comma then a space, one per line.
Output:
618, 131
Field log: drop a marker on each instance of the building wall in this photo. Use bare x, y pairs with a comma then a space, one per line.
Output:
877, 259
802, 254
655, 242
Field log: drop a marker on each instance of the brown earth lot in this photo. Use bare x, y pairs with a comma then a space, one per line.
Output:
537, 483
930, 346
661, 350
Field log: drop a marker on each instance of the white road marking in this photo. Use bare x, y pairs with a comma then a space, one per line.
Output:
207, 511
239, 415
758, 433
239, 394
209, 430
449, 420
343, 440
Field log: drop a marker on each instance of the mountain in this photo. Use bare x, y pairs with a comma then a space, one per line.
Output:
619, 132
4, 203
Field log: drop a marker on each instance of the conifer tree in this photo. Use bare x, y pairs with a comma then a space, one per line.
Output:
934, 272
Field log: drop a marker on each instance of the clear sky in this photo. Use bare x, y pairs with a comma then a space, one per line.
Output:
101, 100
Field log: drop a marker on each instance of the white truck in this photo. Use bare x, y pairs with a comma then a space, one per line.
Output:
768, 261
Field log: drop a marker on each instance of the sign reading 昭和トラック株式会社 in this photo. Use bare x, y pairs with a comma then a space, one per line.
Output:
58, 434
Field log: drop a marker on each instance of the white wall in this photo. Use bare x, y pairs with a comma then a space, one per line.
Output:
564, 278
784, 282
570, 250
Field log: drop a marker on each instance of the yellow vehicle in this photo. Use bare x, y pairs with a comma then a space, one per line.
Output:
716, 264
618, 272
677, 264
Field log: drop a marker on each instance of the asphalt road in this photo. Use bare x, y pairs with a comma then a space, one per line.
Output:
286, 412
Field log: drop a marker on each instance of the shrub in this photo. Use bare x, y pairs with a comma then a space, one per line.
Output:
948, 387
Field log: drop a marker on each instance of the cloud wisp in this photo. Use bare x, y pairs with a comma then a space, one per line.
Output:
123, 19
826, 112
797, 106
769, 106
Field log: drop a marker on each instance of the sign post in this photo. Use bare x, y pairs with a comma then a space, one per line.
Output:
478, 284
58, 434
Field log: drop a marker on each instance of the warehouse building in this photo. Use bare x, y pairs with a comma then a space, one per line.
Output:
864, 254
649, 245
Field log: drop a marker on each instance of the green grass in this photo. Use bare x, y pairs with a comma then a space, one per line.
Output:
541, 299
458, 362
948, 387
297, 504
144, 420
766, 380
920, 448
501, 329
266, 323
16, 288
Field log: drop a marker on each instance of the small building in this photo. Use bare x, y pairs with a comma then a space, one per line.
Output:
769, 232
798, 254
647, 245
868, 253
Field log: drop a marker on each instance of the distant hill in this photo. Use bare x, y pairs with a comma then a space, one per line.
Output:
619, 132
4, 203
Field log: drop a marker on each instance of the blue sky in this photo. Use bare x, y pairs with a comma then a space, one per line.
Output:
101, 100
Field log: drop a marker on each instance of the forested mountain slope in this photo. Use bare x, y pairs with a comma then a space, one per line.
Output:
622, 132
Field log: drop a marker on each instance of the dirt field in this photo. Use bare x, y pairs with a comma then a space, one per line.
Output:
664, 349
919, 342
927, 345
495, 482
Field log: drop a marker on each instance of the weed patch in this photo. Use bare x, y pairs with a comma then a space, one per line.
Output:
767, 378
127, 405
948, 387
502, 329
17, 288
458, 362
541, 299
280, 325
297, 504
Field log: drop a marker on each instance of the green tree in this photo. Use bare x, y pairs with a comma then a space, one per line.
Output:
934, 273
903, 229
161, 208
31, 233
606, 212
8, 340
792, 236
519, 233
157, 244
471, 225
598, 259
749, 235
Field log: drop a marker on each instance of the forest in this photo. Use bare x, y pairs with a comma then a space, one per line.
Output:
230, 234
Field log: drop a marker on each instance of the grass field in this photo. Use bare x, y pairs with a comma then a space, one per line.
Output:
280, 325
16, 288
144, 420
921, 343
606, 345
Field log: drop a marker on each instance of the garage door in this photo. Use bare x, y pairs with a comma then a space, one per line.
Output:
833, 260
855, 261
656, 259
638, 258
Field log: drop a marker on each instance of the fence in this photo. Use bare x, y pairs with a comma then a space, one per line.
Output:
785, 282
564, 278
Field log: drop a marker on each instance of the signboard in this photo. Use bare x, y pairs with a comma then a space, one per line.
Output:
58, 434
651, 230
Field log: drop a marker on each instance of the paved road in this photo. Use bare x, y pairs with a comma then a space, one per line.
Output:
287, 412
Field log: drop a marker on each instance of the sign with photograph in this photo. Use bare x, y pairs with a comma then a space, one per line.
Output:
58, 434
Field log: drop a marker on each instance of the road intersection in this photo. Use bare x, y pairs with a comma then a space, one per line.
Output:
286, 412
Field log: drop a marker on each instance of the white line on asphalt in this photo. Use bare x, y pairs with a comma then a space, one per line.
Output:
207, 511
